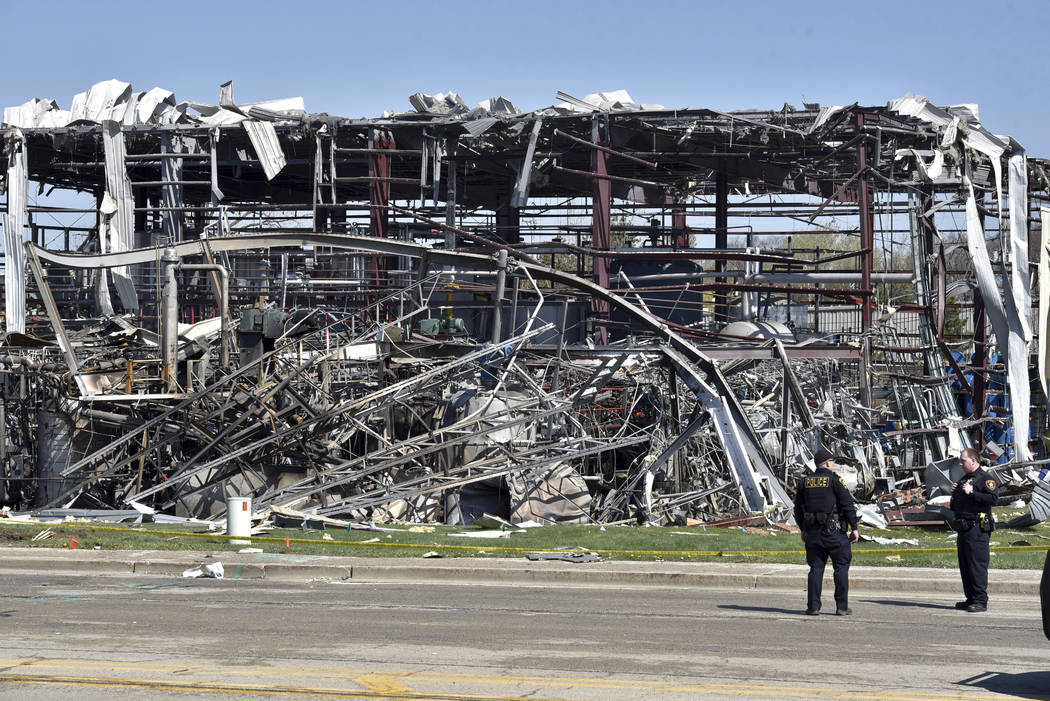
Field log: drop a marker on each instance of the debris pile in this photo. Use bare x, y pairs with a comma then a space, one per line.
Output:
250, 313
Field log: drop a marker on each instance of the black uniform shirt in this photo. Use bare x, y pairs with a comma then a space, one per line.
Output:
983, 497
824, 492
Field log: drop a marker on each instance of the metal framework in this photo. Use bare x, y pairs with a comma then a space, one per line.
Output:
595, 311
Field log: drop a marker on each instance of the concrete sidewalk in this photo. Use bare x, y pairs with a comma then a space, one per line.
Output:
292, 567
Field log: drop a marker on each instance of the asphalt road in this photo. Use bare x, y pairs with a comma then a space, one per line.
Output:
94, 637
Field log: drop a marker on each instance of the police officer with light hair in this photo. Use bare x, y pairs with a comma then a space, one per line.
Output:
973, 497
823, 509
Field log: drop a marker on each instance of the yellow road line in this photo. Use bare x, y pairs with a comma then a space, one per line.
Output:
214, 687
383, 684
322, 692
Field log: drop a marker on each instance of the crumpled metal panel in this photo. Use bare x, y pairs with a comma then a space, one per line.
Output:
1044, 299
104, 101
14, 221
267, 147
122, 222
1005, 321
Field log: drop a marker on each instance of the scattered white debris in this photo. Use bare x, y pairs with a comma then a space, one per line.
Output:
565, 556
486, 534
211, 571
889, 541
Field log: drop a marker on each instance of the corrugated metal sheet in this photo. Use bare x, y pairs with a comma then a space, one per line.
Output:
122, 223
14, 221
267, 147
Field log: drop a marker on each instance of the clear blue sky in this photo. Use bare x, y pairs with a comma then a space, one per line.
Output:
357, 59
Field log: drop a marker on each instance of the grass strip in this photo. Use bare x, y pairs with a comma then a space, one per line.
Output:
488, 549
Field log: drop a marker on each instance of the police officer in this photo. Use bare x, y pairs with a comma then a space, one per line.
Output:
973, 497
823, 509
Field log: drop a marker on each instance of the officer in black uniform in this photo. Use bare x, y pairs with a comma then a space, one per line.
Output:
973, 497
823, 509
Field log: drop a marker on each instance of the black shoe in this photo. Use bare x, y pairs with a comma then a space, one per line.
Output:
844, 612
963, 605
812, 612
977, 608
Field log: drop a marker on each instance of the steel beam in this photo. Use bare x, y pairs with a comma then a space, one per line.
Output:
867, 242
601, 224
720, 314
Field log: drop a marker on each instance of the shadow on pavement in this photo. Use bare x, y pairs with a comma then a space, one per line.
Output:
915, 604
769, 609
1027, 685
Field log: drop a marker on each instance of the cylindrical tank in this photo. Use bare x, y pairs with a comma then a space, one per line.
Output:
239, 519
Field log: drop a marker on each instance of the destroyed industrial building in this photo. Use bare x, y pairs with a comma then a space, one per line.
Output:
596, 312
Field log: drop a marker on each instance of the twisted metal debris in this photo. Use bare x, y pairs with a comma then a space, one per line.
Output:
250, 313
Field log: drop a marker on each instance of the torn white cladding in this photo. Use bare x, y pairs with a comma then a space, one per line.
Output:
213, 570
612, 101
870, 515
36, 113
491, 521
142, 508
267, 111
121, 225
1042, 325
927, 171
275, 110
205, 330
499, 105
14, 232
116, 101
450, 104
824, 116
486, 535
105, 101
157, 107
267, 147
889, 541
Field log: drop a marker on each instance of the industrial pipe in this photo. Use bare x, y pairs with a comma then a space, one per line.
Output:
224, 304
169, 320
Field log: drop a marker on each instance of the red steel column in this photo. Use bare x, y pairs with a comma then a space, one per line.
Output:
379, 199
678, 226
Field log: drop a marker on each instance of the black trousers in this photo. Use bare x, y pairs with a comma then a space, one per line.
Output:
972, 547
819, 547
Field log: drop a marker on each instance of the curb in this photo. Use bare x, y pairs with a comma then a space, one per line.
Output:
863, 579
